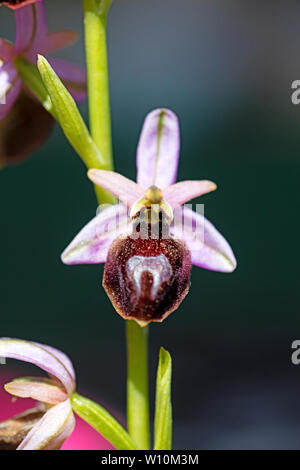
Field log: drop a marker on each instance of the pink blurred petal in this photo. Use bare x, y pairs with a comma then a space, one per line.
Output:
41, 22
52, 430
40, 389
184, 191
124, 189
25, 25
57, 40
92, 243
31, 27
208, 247
68, 71
35, 354
6, 50
61, 356
73, 77
158, 149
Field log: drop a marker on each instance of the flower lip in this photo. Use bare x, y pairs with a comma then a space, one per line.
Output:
147, 279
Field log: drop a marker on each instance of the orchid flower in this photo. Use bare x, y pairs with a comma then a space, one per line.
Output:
147, 277
32, 37
53, 425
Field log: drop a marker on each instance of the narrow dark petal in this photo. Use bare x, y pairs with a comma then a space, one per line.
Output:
147, 279
23, 130
16, 4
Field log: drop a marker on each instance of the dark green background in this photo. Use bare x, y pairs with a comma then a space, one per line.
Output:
226, 69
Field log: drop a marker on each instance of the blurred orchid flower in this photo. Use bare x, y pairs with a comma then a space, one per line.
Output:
147, 278
16, 4
32, 37
48, 428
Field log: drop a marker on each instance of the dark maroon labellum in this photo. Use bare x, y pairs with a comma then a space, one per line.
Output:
23, 130
147, 278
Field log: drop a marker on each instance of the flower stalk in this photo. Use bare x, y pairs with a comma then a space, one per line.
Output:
137, 385
98, 81
95, 15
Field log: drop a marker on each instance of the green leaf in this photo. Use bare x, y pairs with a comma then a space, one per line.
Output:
69, 116
163, 405
97, 417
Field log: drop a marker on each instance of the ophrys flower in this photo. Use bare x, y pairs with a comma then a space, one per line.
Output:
149, 251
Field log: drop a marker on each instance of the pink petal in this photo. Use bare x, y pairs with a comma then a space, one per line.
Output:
92, 243
6, 50
24, 27
68, 71
124, 189
31, 26
73, 76
41, 26
158, 149
52, 430
208, 247
184, 191
43, 390
57, 40
62, 357
37, 354
10, 87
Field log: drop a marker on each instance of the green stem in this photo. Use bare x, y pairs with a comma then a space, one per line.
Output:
98, 85
137, 385
95, 13
98, 82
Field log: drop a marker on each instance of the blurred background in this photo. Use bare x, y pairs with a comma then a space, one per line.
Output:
226, 69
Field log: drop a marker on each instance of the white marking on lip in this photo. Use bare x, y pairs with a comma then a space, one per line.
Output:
158, 266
